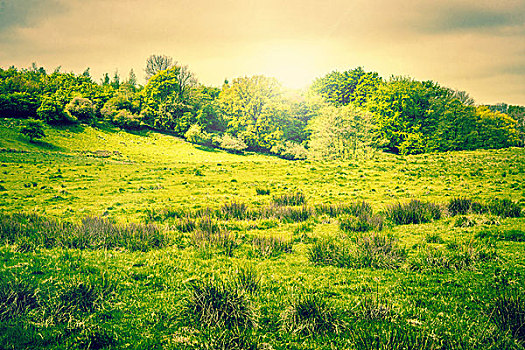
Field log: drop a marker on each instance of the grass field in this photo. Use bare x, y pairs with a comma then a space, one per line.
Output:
118, 240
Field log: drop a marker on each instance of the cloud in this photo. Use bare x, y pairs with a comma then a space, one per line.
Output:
23, 13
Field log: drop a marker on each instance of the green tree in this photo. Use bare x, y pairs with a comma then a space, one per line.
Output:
169, 102
34, 129
338, 88
340, 132
253, 110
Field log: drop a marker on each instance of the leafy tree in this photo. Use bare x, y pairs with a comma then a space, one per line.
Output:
123, 109
157, 63
52, 111
338, 88
252, 108
496, 130
169, 102
34, 129
340, 132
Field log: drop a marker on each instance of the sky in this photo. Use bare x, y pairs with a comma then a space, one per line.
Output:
476, 46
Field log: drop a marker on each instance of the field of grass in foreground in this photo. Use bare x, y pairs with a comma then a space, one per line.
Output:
118, 240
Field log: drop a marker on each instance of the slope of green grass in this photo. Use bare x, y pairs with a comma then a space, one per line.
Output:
255, 274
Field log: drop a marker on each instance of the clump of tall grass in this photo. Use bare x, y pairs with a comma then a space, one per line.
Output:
210, 235
217, 303
327, 252
413, 212
361, 223
186, 224
247, 279
234, 210
508, 313
371, 309
32, 231
505, 208
309, 314
16, 298
357, 208
372, 250
100, 233
514, 235
293, 214
267, 247
459, 206
461, 258
378, 251
293, 199
391, 336
262, 191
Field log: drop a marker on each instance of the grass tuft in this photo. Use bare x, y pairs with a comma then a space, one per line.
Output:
310, 315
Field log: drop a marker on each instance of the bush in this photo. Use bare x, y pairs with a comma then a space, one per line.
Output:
290, 150
504, 208
262, 191
196, 135
34, 129
52, 111
81, 109
413, 212
309, 314
231, 143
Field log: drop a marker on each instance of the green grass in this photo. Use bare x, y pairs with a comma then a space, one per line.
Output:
117, 240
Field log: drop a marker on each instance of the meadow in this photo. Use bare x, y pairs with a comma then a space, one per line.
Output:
111, 239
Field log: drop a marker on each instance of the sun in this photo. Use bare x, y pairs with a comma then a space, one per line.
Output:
293, 64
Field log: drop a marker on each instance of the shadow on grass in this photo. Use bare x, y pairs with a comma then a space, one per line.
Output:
207, 149
45, 145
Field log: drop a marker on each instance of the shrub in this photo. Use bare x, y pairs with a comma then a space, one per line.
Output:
216, 303
81, 109
52, 111
127, 120
459, 206
509, 315
504, 208
196, 135
271, 246
290, 150
296, 198
413, 212
34, 129
309, 314
231, 143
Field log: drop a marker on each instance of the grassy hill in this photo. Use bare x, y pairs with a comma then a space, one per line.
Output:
140, 240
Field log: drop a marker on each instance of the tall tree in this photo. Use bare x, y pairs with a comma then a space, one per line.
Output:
156, 63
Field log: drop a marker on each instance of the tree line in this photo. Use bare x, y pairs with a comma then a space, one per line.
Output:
341, 115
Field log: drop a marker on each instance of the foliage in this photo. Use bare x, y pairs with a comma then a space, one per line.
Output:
34, 129
339, 133
81, 109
